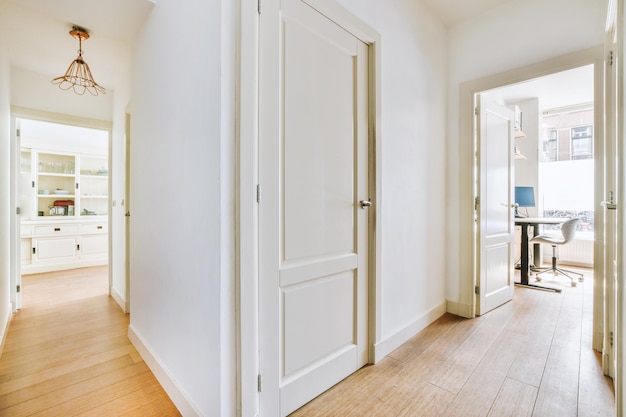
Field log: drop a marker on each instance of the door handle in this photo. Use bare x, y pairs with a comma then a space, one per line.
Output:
608, 205
365, 203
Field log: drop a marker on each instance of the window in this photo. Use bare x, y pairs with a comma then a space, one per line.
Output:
566, 168
550, 146
582, 142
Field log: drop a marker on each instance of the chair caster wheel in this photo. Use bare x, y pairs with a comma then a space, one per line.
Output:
581, 279
538, 279
573, 283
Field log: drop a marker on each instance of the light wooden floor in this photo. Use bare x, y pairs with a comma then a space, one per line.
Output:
67, 353
530, 357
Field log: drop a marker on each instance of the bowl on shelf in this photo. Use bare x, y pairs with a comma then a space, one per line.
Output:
45, 192
62, 192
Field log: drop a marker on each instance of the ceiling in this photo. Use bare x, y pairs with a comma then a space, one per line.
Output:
38, 39
115, 19
454, 11
567, 88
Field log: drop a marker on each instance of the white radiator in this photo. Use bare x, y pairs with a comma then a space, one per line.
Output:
577, 252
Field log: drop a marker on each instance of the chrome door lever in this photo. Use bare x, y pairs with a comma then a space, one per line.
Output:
608, 205
366, 203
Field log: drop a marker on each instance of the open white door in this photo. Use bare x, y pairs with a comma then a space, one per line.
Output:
313, 211
495, 214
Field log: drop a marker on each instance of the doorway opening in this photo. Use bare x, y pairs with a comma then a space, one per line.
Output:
554, 160
61, 188
591, 61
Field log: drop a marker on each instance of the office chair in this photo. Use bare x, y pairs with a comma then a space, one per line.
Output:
568, 231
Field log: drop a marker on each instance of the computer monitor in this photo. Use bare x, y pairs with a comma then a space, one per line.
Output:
524, 197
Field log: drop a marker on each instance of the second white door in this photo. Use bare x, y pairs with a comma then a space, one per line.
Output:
495, 208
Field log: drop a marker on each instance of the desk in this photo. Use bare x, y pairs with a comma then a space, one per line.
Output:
535, 222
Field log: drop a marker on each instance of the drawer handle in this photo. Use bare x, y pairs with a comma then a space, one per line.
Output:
57, 229
99, 227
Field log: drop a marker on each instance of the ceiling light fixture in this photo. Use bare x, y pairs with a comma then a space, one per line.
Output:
78, 75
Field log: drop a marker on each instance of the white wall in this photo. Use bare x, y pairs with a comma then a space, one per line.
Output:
181, 275
5, 182
527, 170
412, 142
508, 37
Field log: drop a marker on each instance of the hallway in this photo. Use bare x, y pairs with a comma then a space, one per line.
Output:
67, 353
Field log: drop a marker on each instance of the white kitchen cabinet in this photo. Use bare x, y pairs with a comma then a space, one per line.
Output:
76, 237
80, 181
54, 245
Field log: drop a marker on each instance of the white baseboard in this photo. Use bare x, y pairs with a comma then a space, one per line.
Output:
5, 319
120, 300
458, 309
385, 347
176, 394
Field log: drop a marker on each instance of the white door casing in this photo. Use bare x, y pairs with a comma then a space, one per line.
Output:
21, 188
609, 150
495, 202
313, 233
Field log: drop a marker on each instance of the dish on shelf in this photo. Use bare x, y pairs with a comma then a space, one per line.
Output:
62, 192
45, 192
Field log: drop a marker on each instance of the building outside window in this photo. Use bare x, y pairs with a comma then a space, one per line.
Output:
582, 142
566, 167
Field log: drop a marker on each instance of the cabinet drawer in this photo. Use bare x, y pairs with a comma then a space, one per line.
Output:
56, 229
93, 228
55, 249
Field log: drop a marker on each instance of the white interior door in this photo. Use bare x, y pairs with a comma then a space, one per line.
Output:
495, 205
313, 233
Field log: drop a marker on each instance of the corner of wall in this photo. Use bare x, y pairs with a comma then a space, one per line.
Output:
169, 384
459, 309
388, 345
120, 300
5, 319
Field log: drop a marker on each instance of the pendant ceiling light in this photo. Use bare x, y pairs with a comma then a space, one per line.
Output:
78, 75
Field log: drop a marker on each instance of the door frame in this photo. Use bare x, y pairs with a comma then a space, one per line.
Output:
247, 242
591, 56
58, 118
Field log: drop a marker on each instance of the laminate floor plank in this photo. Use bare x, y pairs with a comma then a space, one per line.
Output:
481, 390
454, 372
558, 392
515, 399
429, 401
